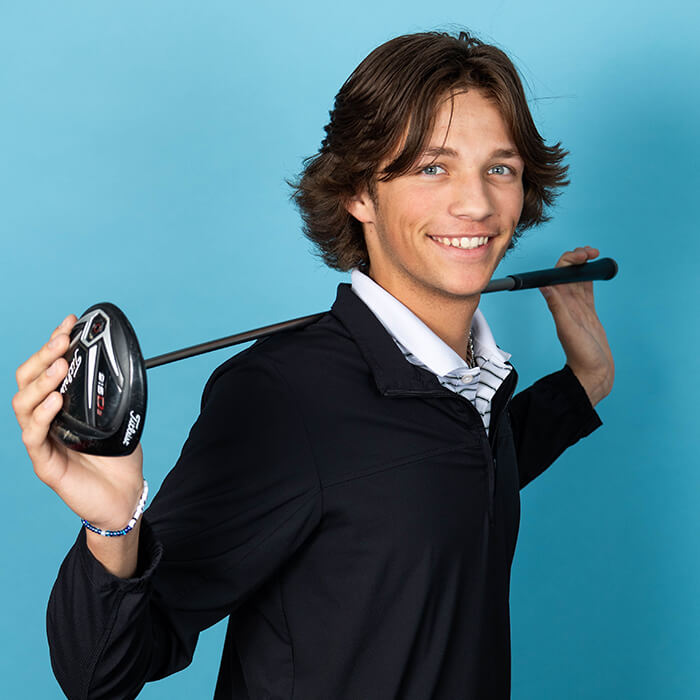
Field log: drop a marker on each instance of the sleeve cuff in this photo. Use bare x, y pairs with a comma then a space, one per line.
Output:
150, 553
547, 418
590, 420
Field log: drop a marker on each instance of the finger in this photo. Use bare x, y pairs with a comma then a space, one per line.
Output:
578, 292
577, 256
35, 433
26, 400
552, 297
66, 326
40, 360
546, 292
574, 299
584, 290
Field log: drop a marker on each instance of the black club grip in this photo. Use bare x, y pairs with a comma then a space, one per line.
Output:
603, 269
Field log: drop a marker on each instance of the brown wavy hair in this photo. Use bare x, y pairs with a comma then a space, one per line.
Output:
392, 96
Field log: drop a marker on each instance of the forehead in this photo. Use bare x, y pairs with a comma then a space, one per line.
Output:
468, 114
465, 119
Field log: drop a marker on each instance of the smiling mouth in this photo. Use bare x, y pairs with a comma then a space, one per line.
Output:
465, 242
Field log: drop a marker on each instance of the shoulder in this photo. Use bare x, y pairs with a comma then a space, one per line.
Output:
290, 358
253, 425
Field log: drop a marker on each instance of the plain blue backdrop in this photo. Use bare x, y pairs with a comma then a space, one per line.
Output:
143, 154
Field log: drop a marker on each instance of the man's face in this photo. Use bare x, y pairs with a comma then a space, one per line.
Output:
439, 231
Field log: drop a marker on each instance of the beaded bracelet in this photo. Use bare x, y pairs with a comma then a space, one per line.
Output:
130, 526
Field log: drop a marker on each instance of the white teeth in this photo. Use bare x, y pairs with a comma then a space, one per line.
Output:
465, 242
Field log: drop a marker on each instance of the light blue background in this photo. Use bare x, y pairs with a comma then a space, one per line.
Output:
143, 152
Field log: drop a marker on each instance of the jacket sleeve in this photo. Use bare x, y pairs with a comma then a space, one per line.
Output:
546, 418
242, 498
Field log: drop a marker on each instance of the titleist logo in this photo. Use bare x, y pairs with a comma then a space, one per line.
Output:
72, 371
134, 422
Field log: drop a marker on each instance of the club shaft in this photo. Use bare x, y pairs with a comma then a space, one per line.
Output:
603, 269
236, 339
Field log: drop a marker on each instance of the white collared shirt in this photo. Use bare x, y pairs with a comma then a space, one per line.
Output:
424, 348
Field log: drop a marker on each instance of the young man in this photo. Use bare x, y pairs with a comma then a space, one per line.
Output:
349, 495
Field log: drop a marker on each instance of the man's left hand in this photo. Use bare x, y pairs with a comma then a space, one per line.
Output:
580, 332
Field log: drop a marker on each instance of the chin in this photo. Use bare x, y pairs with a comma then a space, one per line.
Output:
463, 291
465, 288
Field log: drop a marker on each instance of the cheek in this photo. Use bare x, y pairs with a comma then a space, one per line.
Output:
403, 218
422, 213
519, 202
511, 206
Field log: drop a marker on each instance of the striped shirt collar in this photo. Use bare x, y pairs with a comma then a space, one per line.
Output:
408, 330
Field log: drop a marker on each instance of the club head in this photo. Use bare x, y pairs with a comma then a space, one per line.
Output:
104, 392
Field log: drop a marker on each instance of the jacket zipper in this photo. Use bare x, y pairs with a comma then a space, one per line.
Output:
490, 442
492, 452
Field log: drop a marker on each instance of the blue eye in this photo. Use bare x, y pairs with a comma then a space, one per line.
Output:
432, 169
502, 170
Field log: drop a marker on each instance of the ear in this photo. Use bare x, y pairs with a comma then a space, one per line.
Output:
361, 206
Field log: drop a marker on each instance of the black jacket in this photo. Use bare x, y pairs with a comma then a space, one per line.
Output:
347, 512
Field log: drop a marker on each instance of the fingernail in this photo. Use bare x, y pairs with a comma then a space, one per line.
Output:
51, 369
53, 343
51, 400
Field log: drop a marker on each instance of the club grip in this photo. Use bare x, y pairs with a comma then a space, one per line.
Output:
603, 269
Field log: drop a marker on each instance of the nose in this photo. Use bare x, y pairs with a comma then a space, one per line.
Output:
470, 197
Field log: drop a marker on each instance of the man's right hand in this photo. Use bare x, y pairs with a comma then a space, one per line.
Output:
103, 490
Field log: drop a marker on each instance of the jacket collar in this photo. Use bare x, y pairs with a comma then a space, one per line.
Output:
393, 374
412, 335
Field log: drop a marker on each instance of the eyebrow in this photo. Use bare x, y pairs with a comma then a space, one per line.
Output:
438, 151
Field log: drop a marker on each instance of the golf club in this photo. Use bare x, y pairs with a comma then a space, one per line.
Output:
104, 391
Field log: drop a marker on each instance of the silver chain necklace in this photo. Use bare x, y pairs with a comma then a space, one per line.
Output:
470, 352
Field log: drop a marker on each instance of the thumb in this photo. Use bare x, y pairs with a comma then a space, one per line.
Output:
551, 297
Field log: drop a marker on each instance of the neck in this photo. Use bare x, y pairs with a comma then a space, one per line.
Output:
450, 321
449, 317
